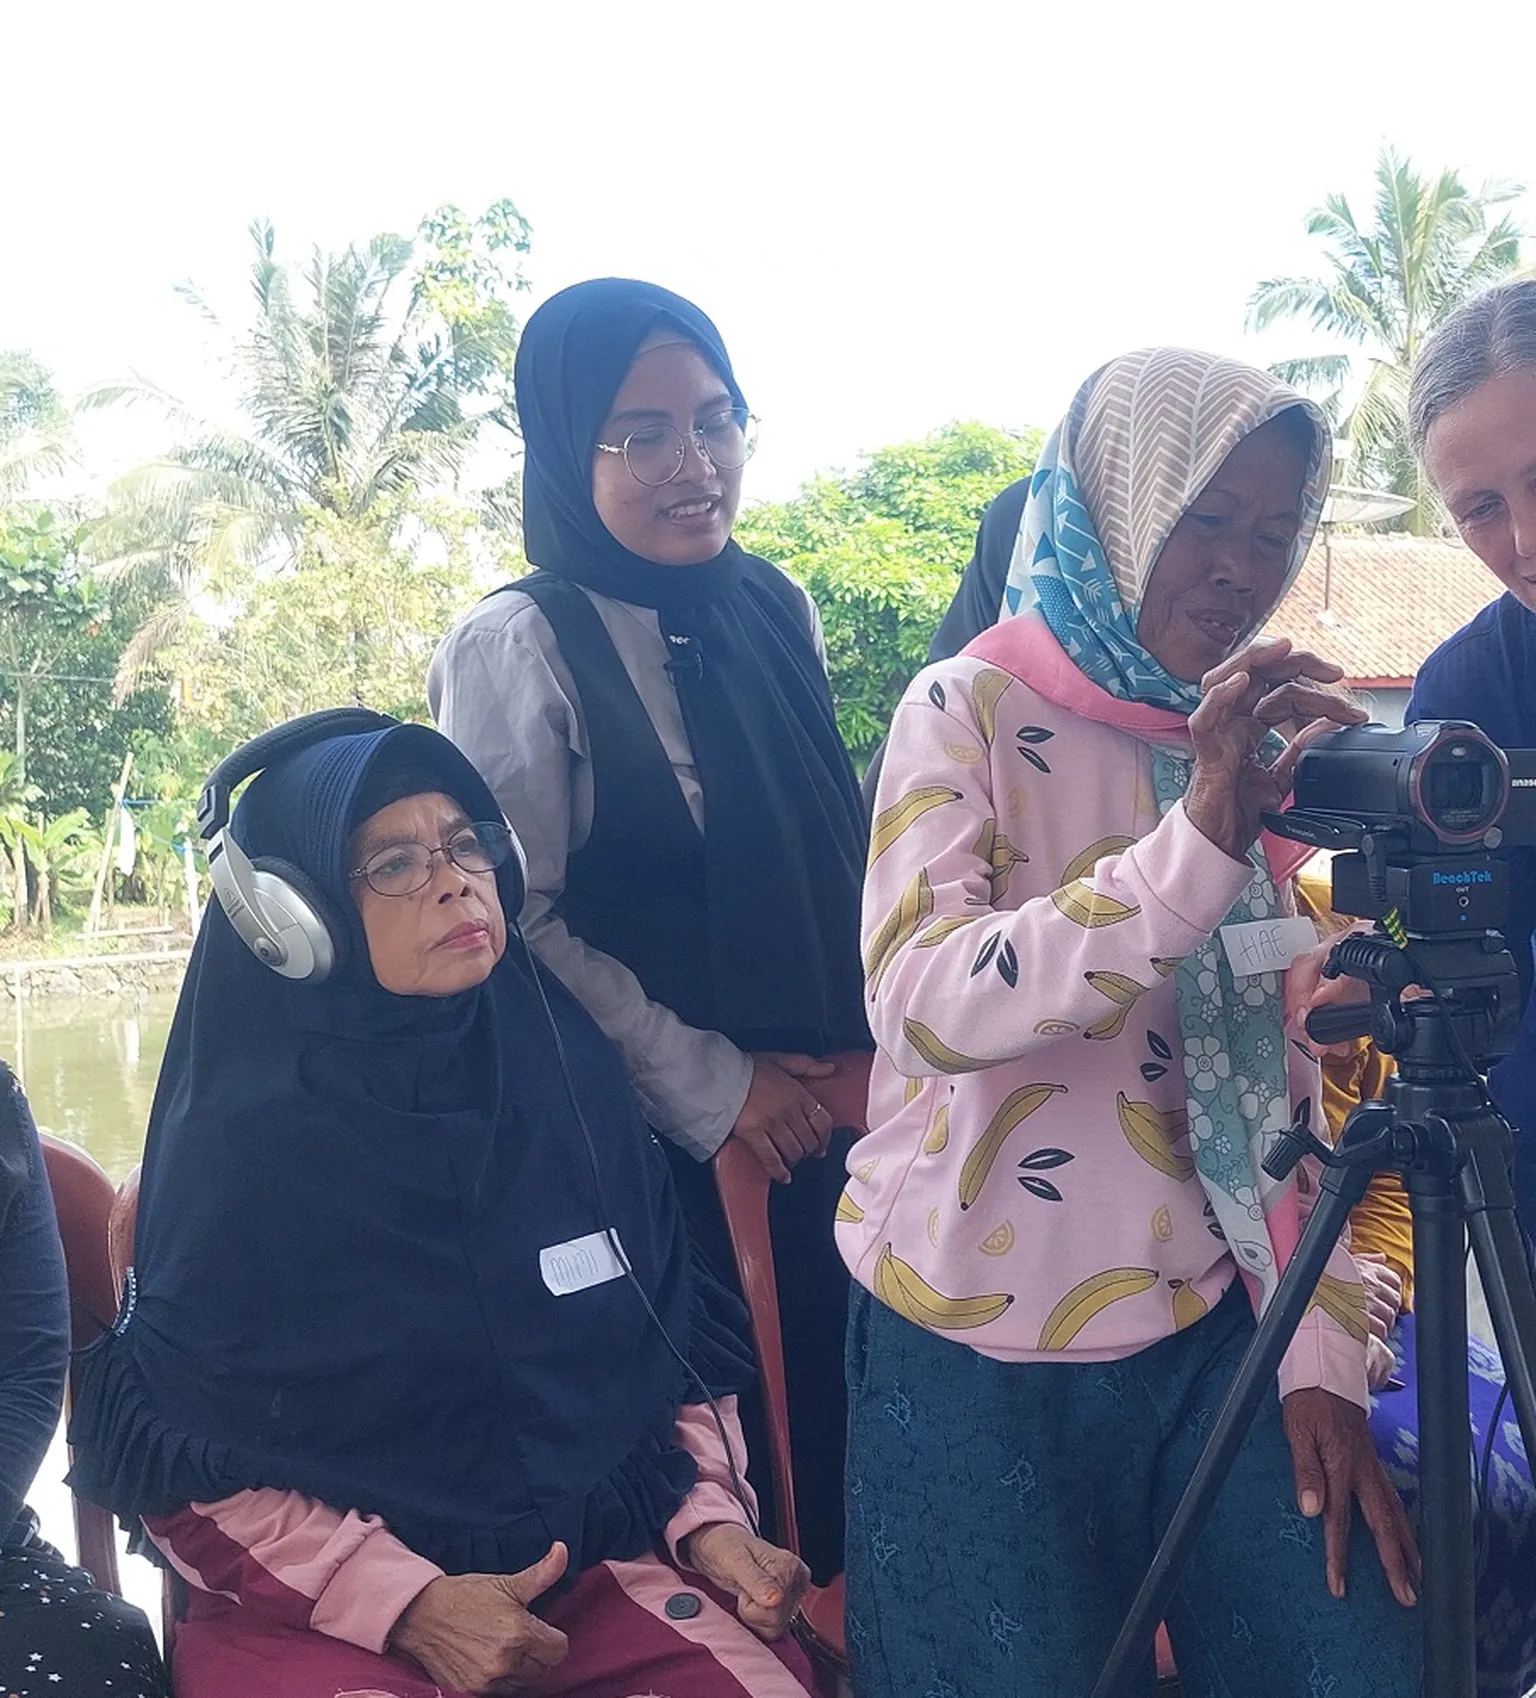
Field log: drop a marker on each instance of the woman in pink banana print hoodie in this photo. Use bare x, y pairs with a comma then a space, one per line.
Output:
1079, 1074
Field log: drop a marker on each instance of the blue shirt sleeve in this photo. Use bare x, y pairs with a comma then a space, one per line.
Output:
34, 1317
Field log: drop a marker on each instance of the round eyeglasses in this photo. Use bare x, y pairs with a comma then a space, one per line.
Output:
655, 453
402, 869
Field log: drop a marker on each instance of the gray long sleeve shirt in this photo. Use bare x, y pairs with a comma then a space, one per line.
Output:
498, 687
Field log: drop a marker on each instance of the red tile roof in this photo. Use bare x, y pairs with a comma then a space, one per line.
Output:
1383, 604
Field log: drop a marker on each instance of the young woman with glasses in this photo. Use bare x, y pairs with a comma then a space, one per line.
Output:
651, 709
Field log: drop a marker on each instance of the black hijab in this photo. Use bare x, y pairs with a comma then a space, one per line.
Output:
338, 1285
979, 595
784, 832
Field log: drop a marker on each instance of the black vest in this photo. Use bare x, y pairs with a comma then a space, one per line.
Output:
636, 889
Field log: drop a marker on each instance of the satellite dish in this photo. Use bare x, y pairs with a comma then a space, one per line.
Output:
1347, 505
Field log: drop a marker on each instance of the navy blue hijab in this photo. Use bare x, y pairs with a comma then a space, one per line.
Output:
337, 1283
784, 832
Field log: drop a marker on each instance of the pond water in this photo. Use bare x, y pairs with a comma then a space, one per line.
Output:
89, 1069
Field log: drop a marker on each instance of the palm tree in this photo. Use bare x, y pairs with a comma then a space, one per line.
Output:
370, 374
1430, 245
34, 426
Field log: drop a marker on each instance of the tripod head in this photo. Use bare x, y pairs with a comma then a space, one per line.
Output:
1445, 1007
1464, 1020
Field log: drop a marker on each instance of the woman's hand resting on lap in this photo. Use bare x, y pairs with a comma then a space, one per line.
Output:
1261, 688
476, 1632
767, 1583
1336, 1465
781, 1122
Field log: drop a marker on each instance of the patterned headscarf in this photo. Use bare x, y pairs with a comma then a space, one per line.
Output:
1144, 436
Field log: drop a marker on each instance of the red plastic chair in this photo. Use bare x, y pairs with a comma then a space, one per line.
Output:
743, 1187
82, 1199
120, 1228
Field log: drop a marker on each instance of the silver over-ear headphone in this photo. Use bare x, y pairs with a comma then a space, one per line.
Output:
277, 912
276, 909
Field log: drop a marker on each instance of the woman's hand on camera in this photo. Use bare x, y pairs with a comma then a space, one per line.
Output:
1264, 686
475, 1632
781, 1122
1336, 1466
766, 1582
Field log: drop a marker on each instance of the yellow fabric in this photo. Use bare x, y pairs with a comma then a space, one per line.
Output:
1381, 1223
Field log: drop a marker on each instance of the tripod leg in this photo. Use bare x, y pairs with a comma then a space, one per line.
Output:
1342, 1188
1503, 1266
1445, 1478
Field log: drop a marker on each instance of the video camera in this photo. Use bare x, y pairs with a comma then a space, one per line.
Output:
1417, 819
1417, 815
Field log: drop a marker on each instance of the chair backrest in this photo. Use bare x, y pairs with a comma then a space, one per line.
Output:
120, 1228
744, 1187
82, 1199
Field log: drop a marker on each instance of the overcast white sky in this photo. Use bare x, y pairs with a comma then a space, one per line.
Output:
897, 214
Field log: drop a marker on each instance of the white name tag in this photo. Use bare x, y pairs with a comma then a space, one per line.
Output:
580, 1264
1267, 946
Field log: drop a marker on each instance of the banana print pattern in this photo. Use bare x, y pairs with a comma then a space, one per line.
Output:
941, 929
848, 1210
894, 822
987, 688
1188, 1305
937, 1140
1090, 1297
900, 925
1122, 991
1153, 1132
1088, 908
900, 1287
1343, 1303
932, 1048
1015, 1110
1001, 857
1082, 864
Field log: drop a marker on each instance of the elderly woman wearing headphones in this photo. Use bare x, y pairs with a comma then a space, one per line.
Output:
415, 1382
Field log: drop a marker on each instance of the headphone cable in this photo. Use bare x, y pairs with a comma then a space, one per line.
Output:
610, 1235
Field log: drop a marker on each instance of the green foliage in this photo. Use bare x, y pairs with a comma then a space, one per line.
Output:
46, 598
1429, 246
881, 550
367, 377
353, 622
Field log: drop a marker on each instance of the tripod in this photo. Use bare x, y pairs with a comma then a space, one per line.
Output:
1439, 1129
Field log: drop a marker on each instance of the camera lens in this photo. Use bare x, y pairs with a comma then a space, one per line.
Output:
1461, 788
